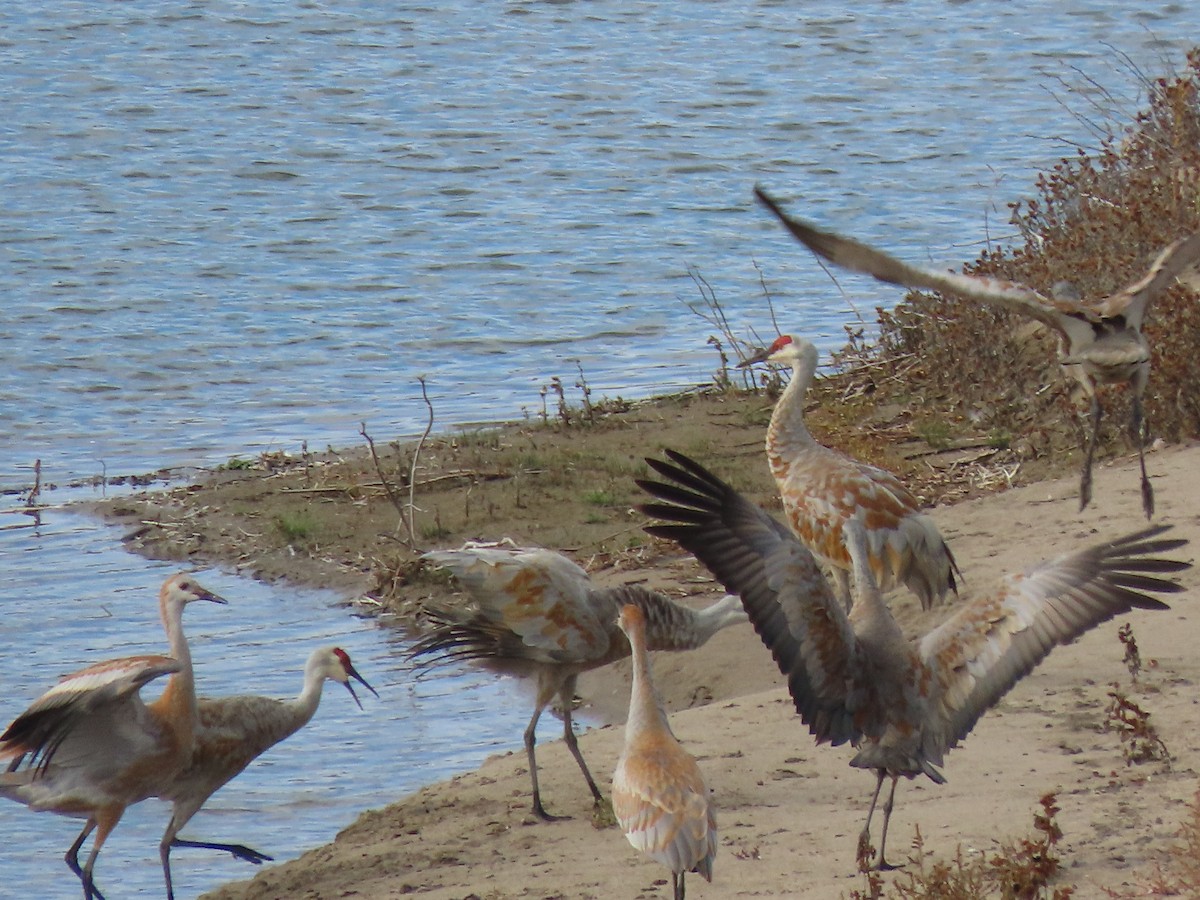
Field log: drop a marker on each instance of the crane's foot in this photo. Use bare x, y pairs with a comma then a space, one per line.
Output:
250, 855
540, 812
603, 815
1147, 498
240, 851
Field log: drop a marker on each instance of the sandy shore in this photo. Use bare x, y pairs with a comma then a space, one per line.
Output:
789, 811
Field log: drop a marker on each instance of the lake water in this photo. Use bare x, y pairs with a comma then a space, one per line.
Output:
233, 227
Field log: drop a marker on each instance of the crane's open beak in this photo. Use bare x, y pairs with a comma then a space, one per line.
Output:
353, 673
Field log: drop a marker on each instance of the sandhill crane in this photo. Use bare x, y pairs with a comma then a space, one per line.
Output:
233, 732
854, 677
658, 793
537, 613
823, 489
1104, 340
89, 747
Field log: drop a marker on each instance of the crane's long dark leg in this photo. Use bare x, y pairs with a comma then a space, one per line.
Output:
104, 820
864, 836
241, 851
883, 865
567, 696
1136, 430
72, 858
677, 884
545, 692
164, 850
1085, 481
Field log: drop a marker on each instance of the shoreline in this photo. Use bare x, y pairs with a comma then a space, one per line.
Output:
473, 835
777, 794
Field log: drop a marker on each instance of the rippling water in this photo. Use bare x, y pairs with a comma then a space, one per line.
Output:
231, 227
72, 597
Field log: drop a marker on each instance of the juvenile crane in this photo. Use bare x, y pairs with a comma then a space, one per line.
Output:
537, 613
854, 677
823, 489
89, 747
1104, 339
233, 732
658, 793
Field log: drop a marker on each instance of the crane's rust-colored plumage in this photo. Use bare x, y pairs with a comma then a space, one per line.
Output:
1103, 338
89, 747
823, 489
534, 612
235, 731
658, 792
855, 677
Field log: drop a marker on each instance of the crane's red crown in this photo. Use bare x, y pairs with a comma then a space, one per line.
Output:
780, 342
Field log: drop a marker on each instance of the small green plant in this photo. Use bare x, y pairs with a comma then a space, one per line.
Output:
435, 531
296, 528
599, 498
935, 433
236, 463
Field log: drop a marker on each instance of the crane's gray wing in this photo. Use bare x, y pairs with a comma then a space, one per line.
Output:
536, 594
782, 589
979, 653
1173, 261
1070, 319
106, 691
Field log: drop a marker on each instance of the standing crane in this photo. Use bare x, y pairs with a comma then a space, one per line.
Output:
1104, 339
537, 613
658, 793
823, 489
233, 732
89, 747
855, 677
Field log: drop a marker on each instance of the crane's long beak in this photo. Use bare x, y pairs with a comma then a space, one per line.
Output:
206, 594
353, 673
760, 356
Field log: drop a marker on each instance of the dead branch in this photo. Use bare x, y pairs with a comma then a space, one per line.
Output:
387, 485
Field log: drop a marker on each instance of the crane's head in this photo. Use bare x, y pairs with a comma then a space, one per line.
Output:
334, 663
183, 588
785, 350
631, 617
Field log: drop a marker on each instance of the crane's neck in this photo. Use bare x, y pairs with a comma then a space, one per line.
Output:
645, 706
788, 435
870, 617
177, 703
725, 612
672, 626
306, 703
290, 716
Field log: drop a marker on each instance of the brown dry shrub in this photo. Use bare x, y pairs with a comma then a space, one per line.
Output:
1098, 221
